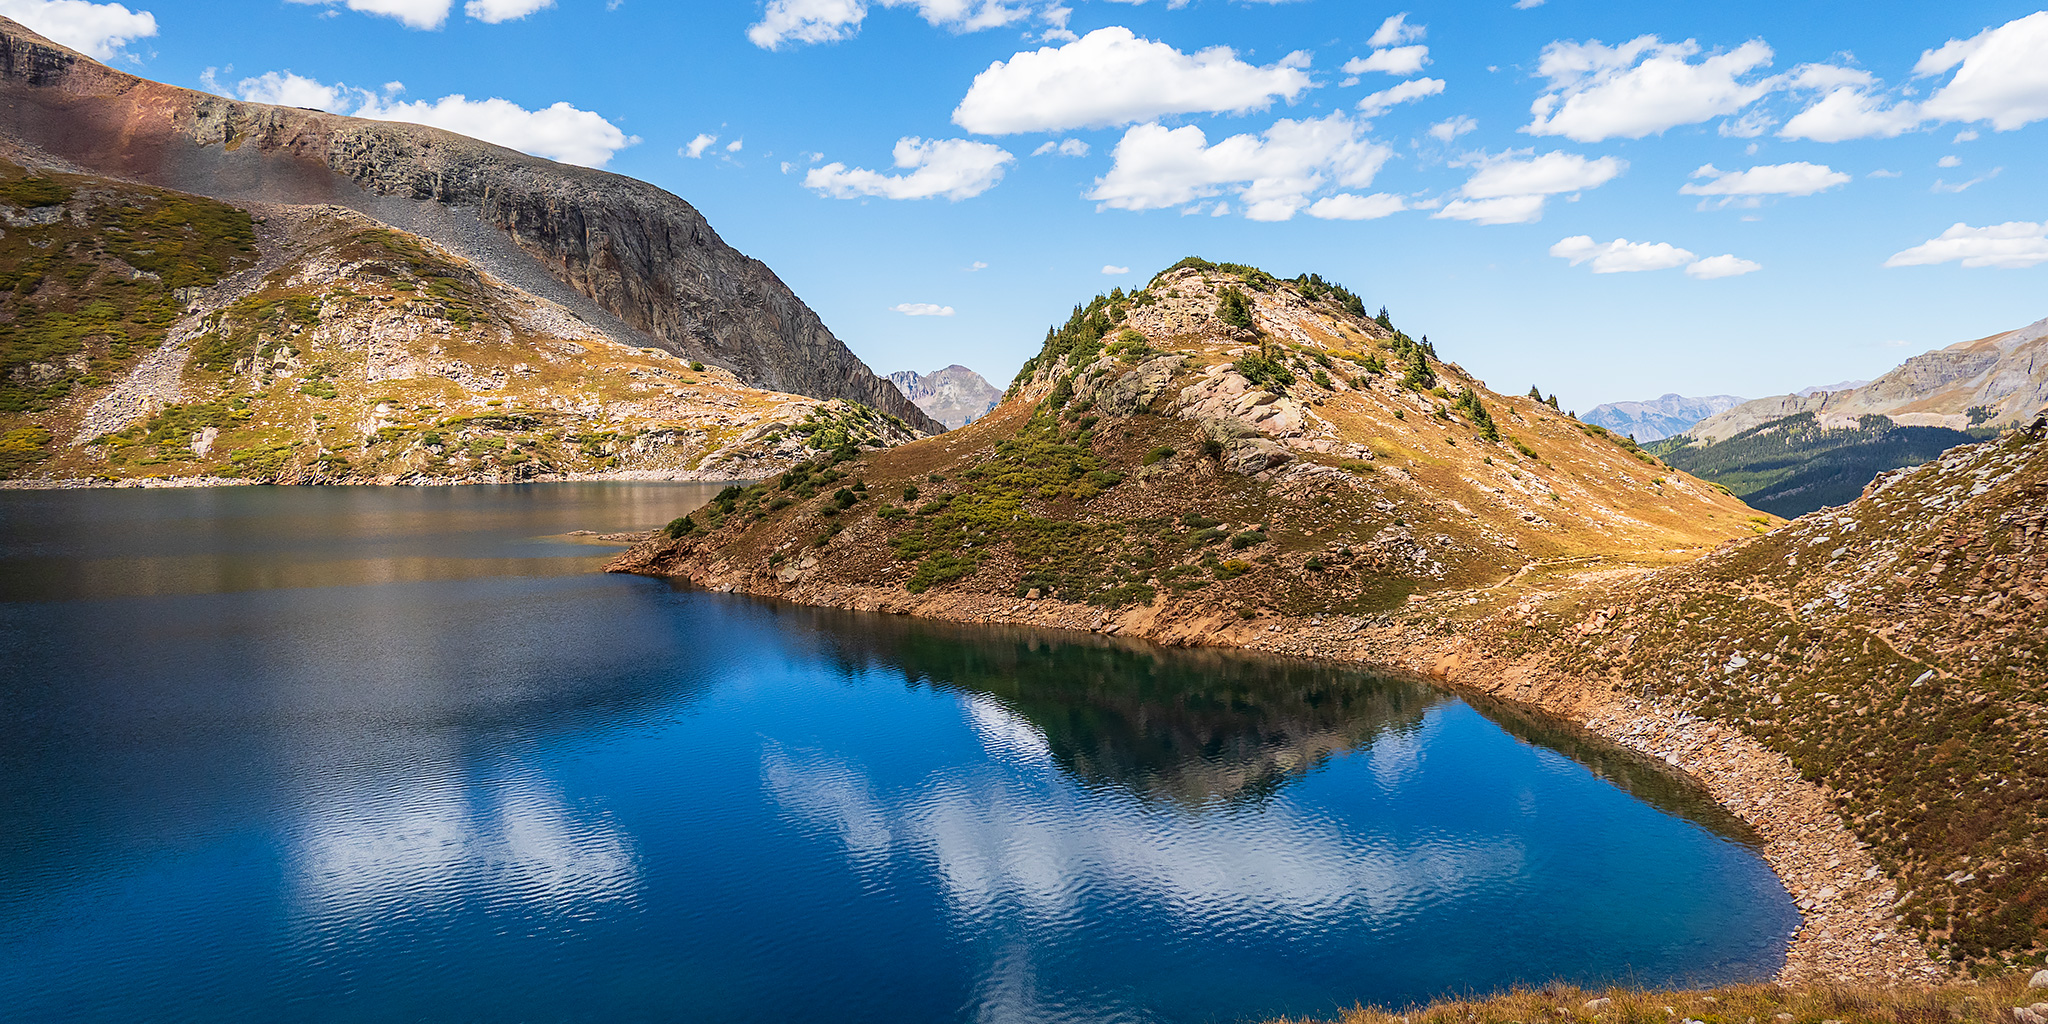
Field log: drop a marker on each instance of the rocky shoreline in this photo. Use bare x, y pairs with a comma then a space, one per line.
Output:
1848, 932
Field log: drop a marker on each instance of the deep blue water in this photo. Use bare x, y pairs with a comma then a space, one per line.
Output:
359, 754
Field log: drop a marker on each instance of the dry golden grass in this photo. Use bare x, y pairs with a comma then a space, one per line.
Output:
1985, 1002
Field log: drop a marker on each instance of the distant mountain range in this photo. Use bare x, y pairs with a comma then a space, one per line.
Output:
1658, 418
1847, 385
955, 396
1792, 454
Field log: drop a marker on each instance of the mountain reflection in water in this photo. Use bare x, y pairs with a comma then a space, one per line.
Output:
403, 755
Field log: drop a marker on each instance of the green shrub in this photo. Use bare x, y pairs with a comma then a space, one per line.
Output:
1475, 410
1235, 310
21, 448
33, 192
1264, 370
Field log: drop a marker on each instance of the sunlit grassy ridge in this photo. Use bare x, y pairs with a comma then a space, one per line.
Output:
1230, 440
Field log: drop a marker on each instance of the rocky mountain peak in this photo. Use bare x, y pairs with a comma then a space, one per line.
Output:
629, 257
955, 395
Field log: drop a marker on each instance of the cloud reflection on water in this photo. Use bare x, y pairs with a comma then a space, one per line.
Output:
384, 849
1024, 858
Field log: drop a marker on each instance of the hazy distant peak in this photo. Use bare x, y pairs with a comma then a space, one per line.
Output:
955, 395
1659, 418
1847, 385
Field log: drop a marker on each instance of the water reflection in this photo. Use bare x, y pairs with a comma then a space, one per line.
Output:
61, 545
1201, 725
387, 845
518, 794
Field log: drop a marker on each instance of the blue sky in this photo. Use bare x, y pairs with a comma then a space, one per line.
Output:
1612, 200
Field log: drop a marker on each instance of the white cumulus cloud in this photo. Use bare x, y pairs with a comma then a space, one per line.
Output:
1111, 268
97, 30
1501, 210
1641, 87
1620, 256
2013, 245
954, 168
806, 21
827, 21
1510, 175
558, 132
697, 146
1111, 77
1446, 131
2001, 75
286, 89
1395, 31
1345, 206
1848, 108
1793, 179
1064, 147
1725, 265
1511, 188
1384, 100
921, 309
493, 12
420, 14
1273, 172
1398, 60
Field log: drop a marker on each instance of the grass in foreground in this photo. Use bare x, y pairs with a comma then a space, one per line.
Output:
1979, 1002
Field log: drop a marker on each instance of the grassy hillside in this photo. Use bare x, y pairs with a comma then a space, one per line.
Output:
1217, 442
1893, 651
147, 333
1792, 466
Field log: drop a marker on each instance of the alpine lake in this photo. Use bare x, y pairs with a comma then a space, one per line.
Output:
397, 754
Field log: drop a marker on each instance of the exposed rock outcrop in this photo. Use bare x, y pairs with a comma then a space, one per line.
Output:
955, 396
1996, 381
637, 261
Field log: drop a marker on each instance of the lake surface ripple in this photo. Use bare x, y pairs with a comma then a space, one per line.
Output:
361, 754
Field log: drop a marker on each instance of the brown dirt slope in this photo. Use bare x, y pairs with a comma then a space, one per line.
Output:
635, 261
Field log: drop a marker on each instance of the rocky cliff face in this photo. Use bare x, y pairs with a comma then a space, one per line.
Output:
1996, 381
633, 259
1661, 417
147, 334
955, 396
